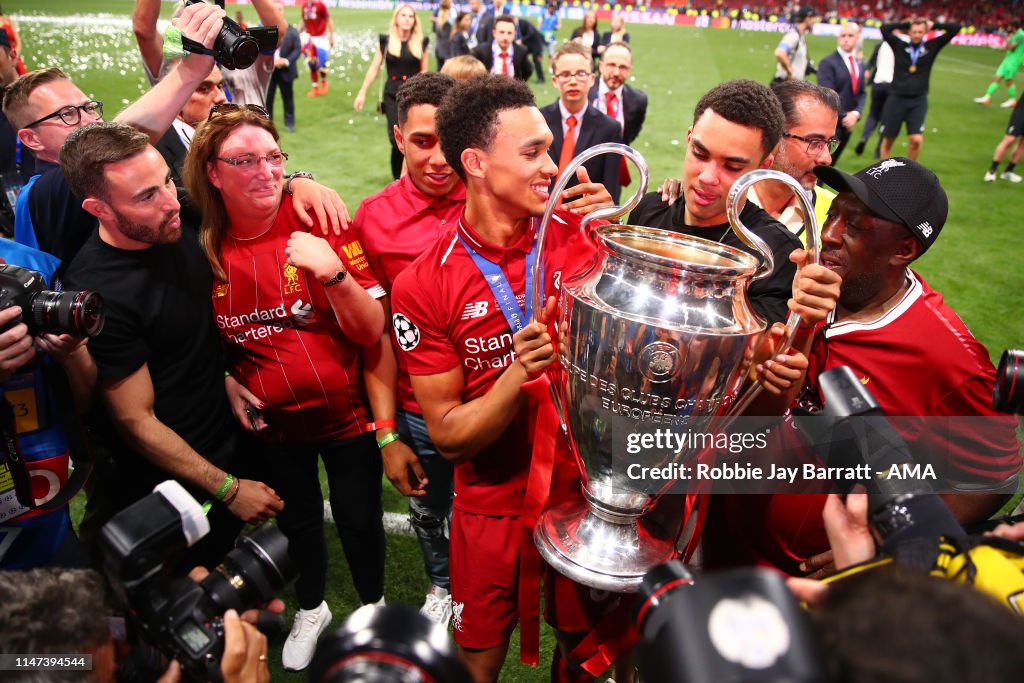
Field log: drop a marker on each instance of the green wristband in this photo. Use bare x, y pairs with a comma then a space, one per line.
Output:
173, 48
386, 439
225, 486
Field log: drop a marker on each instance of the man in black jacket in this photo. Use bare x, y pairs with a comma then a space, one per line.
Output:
502, 56
573, 115
285, 73
614, 97
908, 99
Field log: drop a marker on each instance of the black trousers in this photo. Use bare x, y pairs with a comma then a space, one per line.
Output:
287, 96
354, 471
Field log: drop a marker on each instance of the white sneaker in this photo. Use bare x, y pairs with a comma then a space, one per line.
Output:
1012, 177
1009, 104
379, 603
438, 606
982, 100
309, 624
990, 176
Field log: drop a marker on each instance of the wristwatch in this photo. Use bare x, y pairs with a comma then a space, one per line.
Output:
298, 174
338, 278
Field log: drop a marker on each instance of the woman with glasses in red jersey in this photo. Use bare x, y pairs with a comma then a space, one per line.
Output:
298, 313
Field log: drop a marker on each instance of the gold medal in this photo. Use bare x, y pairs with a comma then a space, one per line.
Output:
913, 68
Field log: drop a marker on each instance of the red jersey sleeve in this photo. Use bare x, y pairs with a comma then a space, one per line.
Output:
417, 321
353, 257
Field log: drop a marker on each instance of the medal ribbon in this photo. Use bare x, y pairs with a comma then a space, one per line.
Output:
517, 318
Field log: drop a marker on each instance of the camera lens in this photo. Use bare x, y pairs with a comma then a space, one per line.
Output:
1008, 396
393, 644
244, 53
75, 313
256, 570
657, 585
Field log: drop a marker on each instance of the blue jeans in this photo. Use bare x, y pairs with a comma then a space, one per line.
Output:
428, 513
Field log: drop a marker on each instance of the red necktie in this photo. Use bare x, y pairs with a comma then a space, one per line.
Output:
611, 105
853, 74
504, 64
568, 145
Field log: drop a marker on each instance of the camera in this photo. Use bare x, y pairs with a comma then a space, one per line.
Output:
235, 47
392, 644
1008, 395
181, 618
852, 430
76, 313
738, 626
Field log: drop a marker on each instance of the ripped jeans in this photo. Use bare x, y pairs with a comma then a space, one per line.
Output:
429, 514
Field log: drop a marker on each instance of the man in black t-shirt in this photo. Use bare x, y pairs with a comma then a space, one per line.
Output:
908, 96
736, 125
159, 365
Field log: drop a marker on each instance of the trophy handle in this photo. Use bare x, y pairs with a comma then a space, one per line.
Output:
605, 213
811, 228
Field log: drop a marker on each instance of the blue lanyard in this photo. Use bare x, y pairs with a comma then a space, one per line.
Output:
914, 53
517, 318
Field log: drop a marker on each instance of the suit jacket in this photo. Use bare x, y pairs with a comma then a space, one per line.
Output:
634, 110
173, 150
520, 62
834, 73
485, 27
291, 49
458, 45
594, 129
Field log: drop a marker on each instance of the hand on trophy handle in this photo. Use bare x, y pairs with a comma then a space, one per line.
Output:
533, 346
815, 290
784, 369
591, 195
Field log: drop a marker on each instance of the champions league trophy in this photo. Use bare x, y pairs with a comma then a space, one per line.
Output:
657, 332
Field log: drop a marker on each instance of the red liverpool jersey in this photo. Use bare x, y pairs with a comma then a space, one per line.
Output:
395, 226
445, 316
284, 342
314, 17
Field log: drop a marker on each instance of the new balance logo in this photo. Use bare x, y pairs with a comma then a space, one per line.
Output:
926, 229
883, 167
476, 309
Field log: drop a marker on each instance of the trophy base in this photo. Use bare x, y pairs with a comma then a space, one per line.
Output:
596, 552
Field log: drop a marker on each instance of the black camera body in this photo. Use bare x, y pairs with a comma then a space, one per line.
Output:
737, 626
181, 618
76, 313
235, 47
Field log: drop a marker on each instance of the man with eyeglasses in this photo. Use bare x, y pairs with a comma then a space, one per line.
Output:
907, 347
575, 123
811, 114
45, 106
613, 96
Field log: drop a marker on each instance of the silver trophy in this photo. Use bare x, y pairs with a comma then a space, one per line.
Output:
657, 332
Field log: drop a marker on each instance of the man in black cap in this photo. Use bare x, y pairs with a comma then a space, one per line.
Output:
907, 347
791, 54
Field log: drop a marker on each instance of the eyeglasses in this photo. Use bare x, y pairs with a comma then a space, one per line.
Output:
569, 75
816, 145
206, 87
228, 107
71, 115
249, 162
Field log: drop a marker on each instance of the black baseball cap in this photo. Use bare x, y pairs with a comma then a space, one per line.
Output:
804, 12
899, 190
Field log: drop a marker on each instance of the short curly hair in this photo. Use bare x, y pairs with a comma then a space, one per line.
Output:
747, 103
428, 87
53, 610
468, 115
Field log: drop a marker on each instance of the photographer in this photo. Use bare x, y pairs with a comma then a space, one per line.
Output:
36, 414
77, 621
